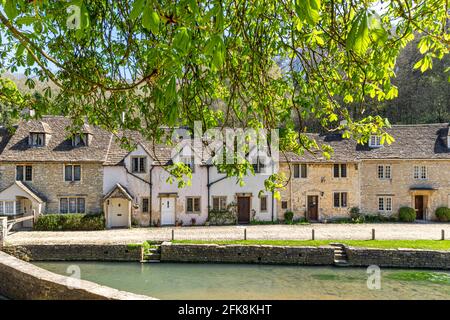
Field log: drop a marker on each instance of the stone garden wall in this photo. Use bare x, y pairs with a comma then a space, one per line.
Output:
20, 280
398, 258
75, 252
246, 254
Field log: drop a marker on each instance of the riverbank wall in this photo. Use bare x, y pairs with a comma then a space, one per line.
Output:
20, 280
253, 254
76, 252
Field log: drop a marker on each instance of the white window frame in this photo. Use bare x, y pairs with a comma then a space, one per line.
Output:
3, 208
68, 205
300, 166
385, 204
420, 172
189, 161
383, 173
73, 172
340, 165
24, 172
375, 141
34, 138
340, 193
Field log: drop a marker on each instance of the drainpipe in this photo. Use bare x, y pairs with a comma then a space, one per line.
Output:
150, 200
273, 205
208, 187
209, 184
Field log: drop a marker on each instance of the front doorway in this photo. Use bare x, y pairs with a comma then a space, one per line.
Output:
167, 211
313, 208
118, 210
243, 204
419, 206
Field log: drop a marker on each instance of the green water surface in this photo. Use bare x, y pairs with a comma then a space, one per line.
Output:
233, 281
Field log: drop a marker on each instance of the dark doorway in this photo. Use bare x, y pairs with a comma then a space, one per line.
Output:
313, 208
243, 209
419, 206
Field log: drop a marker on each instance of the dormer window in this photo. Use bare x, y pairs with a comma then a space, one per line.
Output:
80, 140
375, 141
138, 164
37, 139
189, 161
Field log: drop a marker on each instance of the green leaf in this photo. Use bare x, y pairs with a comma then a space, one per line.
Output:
182, 40
308, 10
10, 9
377, 32
27, 20
358, 38
136, 10
30, 59
150, 20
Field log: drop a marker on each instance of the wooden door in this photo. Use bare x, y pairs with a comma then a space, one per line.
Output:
419, 207
243, 209
313, 207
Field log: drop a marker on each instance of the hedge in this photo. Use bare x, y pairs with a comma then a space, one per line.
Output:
407, 214
70, 222
288, 216
443, 214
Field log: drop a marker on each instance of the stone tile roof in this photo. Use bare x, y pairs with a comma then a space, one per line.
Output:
160, 153
59, 147
424, 141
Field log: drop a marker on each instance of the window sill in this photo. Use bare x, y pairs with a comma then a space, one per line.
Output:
198, 213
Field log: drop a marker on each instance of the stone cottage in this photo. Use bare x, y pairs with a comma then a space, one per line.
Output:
414, 171
45, 170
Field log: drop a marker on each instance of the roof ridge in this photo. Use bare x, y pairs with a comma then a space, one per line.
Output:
421, 124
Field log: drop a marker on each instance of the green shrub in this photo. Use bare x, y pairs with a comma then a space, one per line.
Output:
70, 222
407, 214
221, 217
288, 216
355, 213
443, 214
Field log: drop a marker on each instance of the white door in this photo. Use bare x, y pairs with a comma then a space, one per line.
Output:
118, 213
167, 211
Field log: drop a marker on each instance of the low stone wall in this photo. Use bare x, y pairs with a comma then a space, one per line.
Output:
398, 258
75, 252
263, 254
22, 280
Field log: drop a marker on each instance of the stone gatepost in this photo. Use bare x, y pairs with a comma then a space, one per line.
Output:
3, 230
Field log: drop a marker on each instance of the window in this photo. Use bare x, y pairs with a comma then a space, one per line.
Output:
7, 208
420, 172
79, 140
193, 205
263, 203
340, 199
284, 204
72, 205
340, 170
145, 205
300, 170
138, 164
219, 203
384, 172
24, 173
37, 139
375, 141
72, 172
385, 204
259, 166
189, 161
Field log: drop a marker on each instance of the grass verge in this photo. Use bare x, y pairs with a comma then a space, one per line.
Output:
383, 244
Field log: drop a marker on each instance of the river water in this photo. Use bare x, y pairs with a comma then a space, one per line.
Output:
235, 281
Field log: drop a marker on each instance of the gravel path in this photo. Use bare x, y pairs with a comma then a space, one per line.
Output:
386, 231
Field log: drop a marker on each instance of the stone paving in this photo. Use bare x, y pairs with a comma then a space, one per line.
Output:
431, 231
